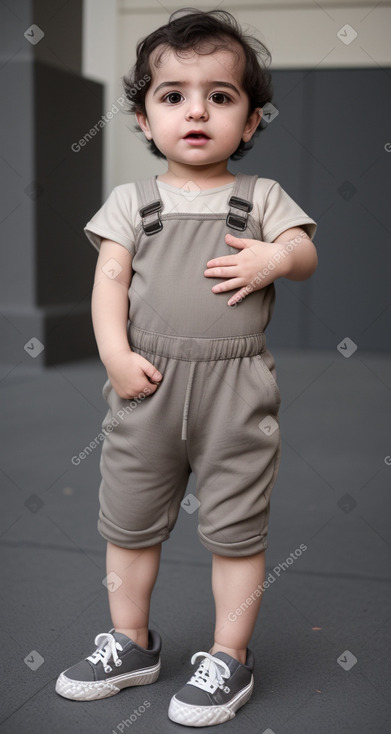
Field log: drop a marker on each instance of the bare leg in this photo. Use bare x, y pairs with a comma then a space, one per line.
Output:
130, 602
235, 582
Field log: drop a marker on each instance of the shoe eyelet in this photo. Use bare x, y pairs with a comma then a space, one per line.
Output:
118, 663
108, 669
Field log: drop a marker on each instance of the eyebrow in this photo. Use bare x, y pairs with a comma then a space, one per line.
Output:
226, 85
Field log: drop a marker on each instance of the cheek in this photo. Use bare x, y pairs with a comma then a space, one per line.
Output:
163, 131
162, 124
231, 132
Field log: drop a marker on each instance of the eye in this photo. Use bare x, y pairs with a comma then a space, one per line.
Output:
173, 98
220, 98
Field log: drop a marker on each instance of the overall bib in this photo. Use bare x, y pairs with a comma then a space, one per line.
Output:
215, 412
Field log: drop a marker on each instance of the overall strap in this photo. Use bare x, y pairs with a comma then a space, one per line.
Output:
150, 205
241, 201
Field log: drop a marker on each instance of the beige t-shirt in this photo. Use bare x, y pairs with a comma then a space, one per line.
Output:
273, 209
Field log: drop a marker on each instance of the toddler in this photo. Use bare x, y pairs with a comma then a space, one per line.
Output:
182, 296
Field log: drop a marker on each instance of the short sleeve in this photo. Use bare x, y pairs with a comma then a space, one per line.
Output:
113, 221
281, 213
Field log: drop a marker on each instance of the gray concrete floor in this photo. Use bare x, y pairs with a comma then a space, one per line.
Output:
330, 605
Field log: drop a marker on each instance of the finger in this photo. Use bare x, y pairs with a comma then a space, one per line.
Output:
154, 381
148, 388
152, 373
238, 296
221, 272
228, 285
236, 241
222, 261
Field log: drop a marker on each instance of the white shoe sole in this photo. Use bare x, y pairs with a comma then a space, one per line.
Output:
93, 691
189, 715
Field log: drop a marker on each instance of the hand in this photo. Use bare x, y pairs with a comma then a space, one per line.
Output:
131, 374
249, 270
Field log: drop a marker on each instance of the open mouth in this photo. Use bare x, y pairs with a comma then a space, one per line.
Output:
196, 136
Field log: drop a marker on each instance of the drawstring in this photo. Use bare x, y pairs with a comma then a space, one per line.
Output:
187, 400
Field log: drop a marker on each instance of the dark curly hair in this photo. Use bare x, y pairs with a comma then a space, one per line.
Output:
203, 32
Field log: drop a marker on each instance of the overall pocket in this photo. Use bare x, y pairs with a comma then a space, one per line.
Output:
266, 362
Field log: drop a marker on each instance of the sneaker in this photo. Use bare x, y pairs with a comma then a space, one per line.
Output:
218, 688
98, 676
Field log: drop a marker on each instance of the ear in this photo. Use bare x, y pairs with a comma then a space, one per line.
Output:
144, 124
252, 124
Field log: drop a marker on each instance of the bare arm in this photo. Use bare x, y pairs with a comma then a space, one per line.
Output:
129, 373
300, 259
109, 303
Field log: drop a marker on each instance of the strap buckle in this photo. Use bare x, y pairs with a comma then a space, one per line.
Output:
150, 215
235, 219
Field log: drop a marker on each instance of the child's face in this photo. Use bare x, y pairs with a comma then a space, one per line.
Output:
201, 93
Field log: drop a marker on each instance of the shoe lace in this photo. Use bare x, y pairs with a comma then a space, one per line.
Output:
107, 649
210, 674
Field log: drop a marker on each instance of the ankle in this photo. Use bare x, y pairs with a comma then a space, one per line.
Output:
238, 654
139, 636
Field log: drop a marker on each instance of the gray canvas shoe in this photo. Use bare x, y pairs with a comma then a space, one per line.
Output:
116, 663
218, 688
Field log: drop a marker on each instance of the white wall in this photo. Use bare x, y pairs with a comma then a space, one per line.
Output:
298, 33
99, 62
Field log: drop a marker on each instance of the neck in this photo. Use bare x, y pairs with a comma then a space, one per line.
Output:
206, 176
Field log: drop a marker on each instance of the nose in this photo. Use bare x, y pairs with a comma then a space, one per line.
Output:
197, 109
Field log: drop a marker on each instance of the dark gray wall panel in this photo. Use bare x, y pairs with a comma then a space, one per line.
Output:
47, 190
70, 181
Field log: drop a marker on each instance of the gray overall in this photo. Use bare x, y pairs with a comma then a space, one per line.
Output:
215, 412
